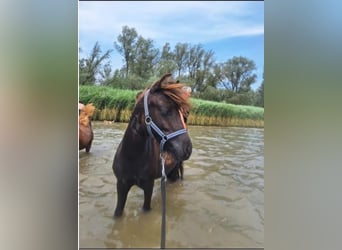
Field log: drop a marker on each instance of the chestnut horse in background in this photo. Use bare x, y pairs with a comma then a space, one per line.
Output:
86, 134
137, 160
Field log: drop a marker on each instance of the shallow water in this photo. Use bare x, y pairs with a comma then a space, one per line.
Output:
220, 202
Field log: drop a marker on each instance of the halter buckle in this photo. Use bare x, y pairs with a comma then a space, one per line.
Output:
148, 120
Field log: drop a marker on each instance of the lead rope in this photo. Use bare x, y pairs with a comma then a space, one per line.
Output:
164, 138
163, 224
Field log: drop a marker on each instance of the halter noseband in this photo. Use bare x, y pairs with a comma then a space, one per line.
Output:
151, 125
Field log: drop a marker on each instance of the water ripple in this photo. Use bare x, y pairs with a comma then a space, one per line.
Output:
220, 202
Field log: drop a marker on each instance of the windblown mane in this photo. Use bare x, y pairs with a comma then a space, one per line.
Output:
176, 93
86, 114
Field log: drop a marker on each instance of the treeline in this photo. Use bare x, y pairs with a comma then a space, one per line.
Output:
117, 104
228, 82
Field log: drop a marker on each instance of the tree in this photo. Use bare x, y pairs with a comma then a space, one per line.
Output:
238, 74
90, 67
180, 56
145, 57
260, 92
215, 75
126, 45
106, 75
194, 60
203, 75
166, 62
140, 55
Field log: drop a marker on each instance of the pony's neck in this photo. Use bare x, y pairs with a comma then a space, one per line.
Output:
136, 143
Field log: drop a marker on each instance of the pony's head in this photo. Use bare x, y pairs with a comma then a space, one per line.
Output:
167, 104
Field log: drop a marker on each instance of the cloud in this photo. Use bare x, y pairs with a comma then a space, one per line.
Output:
194, 22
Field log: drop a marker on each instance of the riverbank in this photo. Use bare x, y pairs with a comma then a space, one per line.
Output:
117, 104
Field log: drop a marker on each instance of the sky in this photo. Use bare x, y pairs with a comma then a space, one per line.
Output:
227, 28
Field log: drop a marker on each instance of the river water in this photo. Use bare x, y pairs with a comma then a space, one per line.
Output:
219, 203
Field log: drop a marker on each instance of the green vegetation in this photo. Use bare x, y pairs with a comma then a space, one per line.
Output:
117, 104
229, 81
224, 114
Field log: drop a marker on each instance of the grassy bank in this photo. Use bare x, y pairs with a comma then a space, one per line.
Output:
117, 104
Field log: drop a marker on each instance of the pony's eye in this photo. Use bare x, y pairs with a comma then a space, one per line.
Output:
166, 112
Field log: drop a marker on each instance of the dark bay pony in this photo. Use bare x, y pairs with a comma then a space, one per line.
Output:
137, 159
86, 134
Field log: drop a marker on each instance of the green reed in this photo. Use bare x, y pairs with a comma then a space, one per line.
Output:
117, 105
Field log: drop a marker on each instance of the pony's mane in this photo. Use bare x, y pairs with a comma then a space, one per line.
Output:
174, 90
86, 114
176, 93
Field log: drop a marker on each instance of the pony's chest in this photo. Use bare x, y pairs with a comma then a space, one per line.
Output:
138, 170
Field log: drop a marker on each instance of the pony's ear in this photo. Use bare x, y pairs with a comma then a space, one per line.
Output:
138, 96
162, 81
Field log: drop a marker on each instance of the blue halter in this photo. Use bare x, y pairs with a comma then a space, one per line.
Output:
151, 125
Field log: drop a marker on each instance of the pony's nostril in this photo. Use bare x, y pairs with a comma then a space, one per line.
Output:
188, 151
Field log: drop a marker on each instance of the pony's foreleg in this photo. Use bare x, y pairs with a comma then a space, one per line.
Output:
122, 191
181, 170
147, 186
87, 148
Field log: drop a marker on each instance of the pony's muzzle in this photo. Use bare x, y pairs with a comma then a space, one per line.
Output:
181, 147
187, 150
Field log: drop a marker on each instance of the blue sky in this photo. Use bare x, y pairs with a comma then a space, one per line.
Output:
228, 28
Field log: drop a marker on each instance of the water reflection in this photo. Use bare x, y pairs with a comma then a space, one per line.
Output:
220, 202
